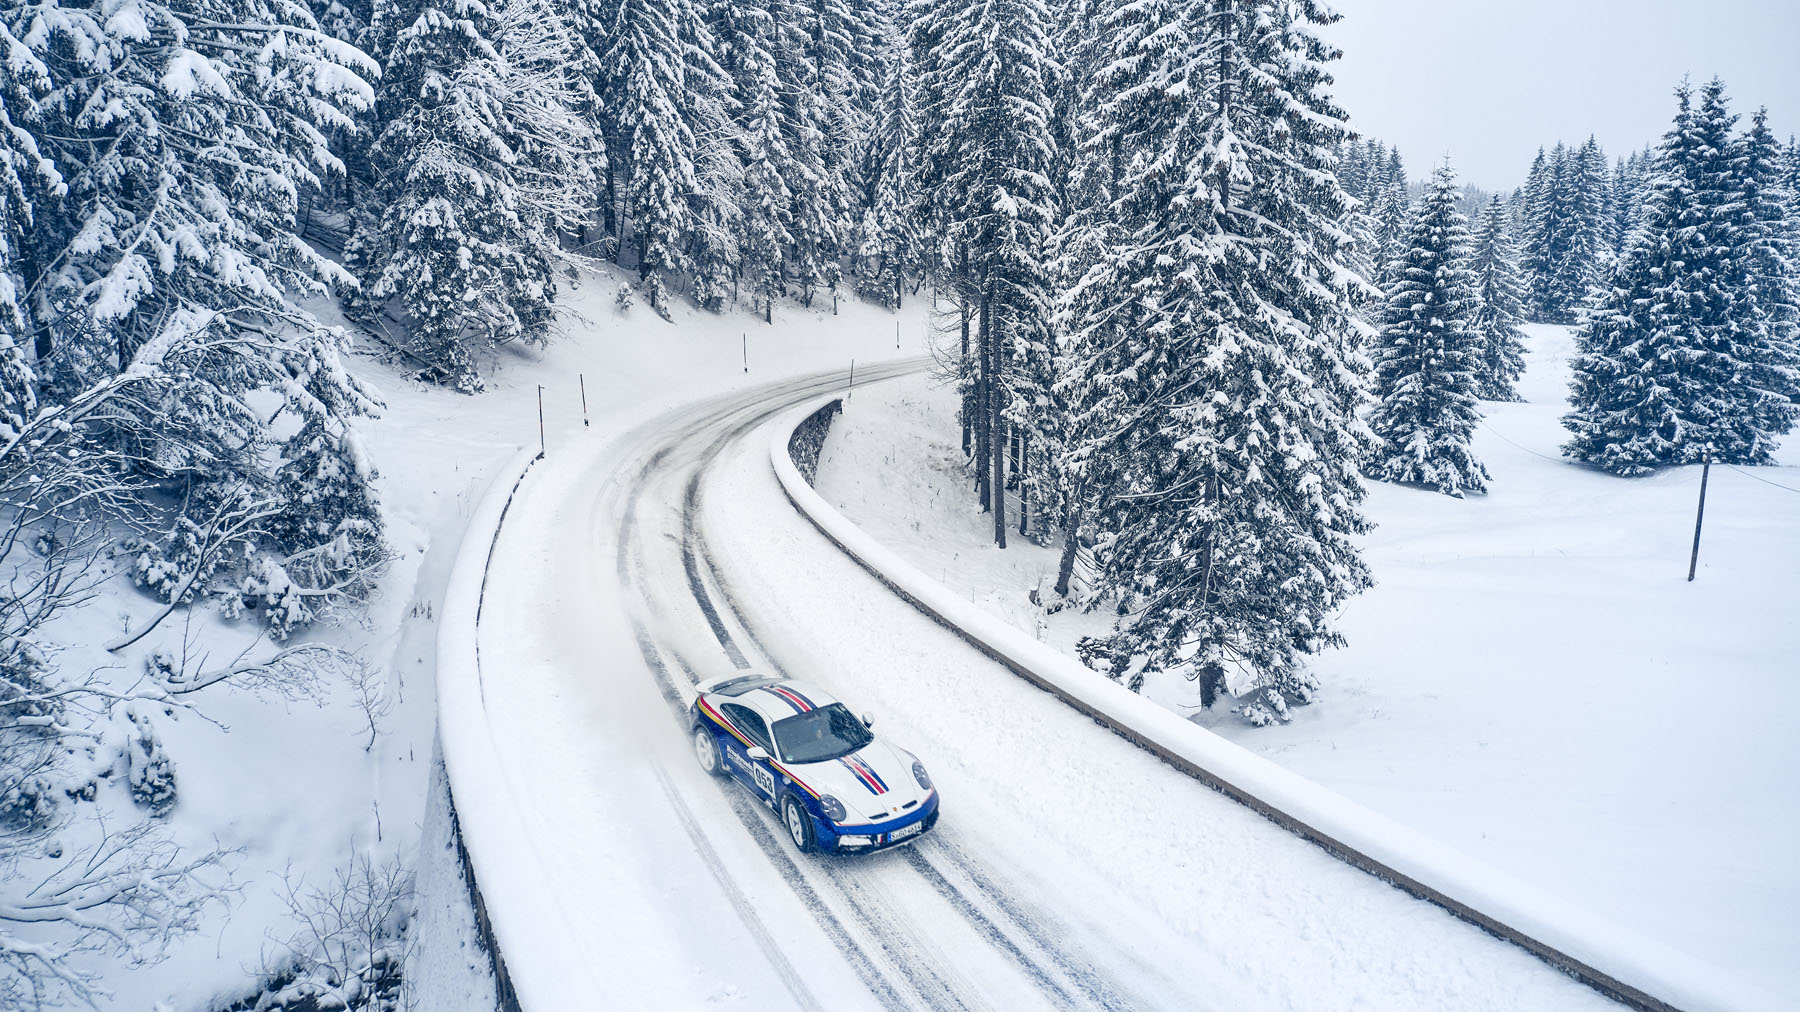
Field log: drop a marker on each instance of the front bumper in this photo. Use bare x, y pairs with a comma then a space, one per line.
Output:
861, 838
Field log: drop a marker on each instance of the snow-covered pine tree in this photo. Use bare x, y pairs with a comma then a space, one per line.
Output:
1590, 249
1620, 205
23, 173
711, 246
1392, 209
891, 235
163, 157
1353, 167
1554, 282
653, 143
551, 108
1228, 405
994, 149
1659, 372
455, 245
1429, 360
1499, 306
810, 51
1770, 316
1791, 179
766, 238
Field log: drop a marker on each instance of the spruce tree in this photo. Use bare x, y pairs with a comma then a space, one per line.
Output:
152, 171
1429, 360
653, 142
1499, 306
23, 172
711, 245
891, 236
1589, 256
995, 197
1392, 206
1218, 400
810, 53
1661, 369
456, 244
1555, 243
1770, 313
766, 238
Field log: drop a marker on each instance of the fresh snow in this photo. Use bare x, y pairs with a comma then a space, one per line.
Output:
1531, 681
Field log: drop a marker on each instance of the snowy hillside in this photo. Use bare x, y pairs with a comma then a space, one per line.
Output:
298, 790
1531, 679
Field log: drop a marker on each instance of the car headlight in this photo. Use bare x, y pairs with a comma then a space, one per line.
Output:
833, 808
920, 775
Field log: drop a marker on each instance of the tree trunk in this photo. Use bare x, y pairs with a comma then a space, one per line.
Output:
610, 217
1024, 490
1065, 567
984, 448
996, 426
968, 400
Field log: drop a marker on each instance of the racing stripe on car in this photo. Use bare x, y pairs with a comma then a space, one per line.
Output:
800, 703
796, 781
722, 722
865, 774
735, 733
882, 783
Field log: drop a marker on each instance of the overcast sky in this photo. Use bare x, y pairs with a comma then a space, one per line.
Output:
1488, 81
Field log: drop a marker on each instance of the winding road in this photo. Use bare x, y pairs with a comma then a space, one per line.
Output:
1070, 869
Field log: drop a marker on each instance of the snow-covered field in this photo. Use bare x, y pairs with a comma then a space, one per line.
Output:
289, 786
1532, 680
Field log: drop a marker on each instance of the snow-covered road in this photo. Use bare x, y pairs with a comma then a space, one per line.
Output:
1070, 870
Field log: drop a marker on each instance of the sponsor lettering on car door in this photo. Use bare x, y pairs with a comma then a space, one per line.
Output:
756, 774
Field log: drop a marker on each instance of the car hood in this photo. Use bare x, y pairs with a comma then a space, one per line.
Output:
875, 783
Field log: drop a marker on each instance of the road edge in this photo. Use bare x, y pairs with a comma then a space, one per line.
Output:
460, 736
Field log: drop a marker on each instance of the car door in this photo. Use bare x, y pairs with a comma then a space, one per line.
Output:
759, 776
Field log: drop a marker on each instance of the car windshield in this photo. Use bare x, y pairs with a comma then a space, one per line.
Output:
817, 735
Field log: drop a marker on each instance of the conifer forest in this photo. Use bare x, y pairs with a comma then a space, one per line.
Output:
278, 278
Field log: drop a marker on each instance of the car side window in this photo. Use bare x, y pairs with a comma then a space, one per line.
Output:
749, 722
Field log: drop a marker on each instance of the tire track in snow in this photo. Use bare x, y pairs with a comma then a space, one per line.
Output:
1097, 992
930, 986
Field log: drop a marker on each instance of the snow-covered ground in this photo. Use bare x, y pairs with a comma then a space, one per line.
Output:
289, 786
1071, 869
1532, 680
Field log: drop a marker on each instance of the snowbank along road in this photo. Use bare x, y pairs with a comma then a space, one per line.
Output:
1070, 870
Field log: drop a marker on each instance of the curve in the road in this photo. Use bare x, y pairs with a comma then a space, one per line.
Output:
1058, 976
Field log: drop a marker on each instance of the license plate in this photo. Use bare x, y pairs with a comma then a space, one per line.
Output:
906, 831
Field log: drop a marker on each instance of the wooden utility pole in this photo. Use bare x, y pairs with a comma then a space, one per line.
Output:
1700, 513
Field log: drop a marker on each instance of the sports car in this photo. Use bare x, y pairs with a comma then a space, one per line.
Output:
805, 755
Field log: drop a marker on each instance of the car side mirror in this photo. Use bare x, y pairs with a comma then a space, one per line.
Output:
868, 720
759, 753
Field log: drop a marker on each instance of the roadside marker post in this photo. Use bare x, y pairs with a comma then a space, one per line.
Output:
541, 446
1700, 512
582, 378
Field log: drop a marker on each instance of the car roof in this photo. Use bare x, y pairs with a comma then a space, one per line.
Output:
774, 698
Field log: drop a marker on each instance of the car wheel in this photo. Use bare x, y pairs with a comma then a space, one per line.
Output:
799, 826
706, 749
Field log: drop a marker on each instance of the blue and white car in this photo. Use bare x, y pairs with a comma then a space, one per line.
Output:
805, 755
